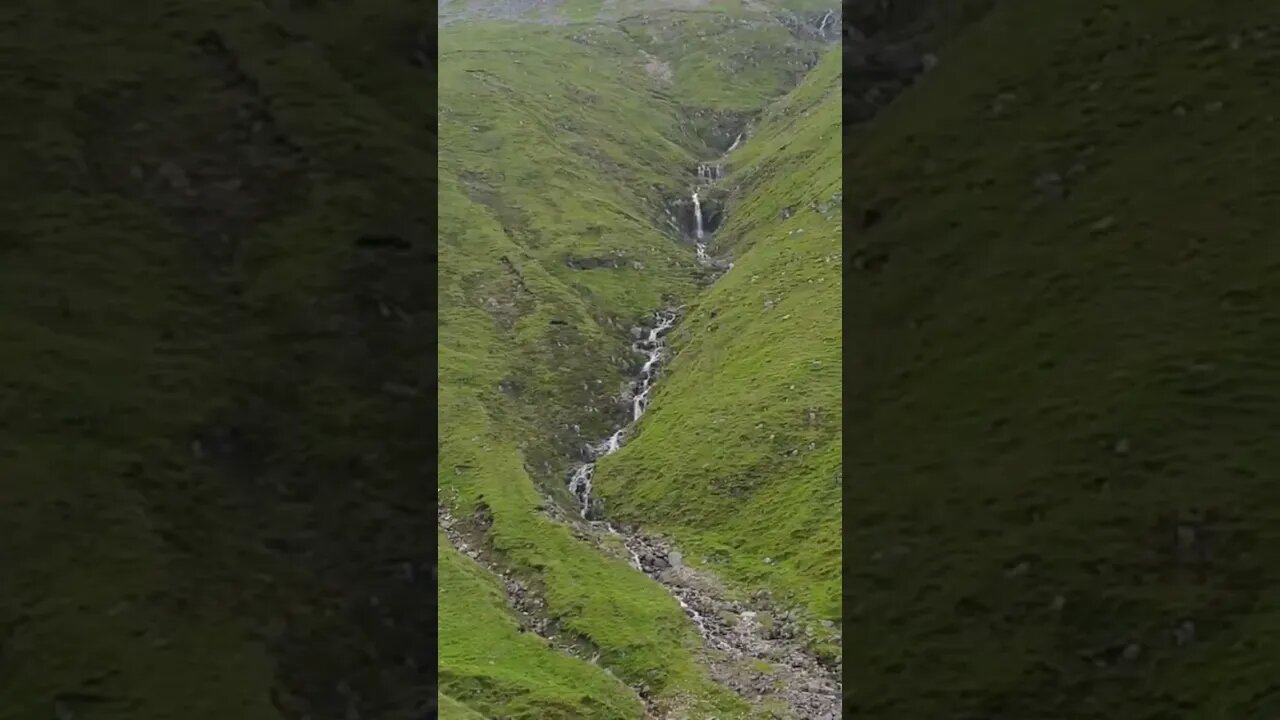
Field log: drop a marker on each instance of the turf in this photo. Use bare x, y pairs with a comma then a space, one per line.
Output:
1061, 501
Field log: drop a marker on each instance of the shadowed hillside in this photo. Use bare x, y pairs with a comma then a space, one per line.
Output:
1061, 499
215, 361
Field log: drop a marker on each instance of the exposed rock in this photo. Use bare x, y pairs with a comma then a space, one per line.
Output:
594, 263
1185, 633
1050, 185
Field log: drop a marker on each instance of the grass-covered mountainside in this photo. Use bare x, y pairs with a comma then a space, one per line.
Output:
215, 360
1062, 499
568, 147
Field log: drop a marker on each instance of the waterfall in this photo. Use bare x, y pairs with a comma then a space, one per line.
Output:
697, 216
736, 142
651, 346
822, 26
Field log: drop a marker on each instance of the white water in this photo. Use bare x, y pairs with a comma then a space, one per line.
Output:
652, 347
737, 141
708, 174
822, 26
697, 216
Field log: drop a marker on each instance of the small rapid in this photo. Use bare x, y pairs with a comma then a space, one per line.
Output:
652, 346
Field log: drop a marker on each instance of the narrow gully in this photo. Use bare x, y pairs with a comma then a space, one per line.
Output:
811, 691
807, 688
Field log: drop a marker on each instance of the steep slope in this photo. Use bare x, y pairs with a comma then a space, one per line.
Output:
566, 153
211, 443
739, 459
1060, 301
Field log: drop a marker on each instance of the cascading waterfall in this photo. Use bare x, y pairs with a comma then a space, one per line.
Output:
697, 215
736, 142
699, 246
802, 683
822, 26
708, 173
652, 347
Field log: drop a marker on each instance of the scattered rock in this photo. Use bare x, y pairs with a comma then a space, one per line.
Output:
1050, 184
1131, 652
1019, 569
1185, 633
1001, 104
1186, 537
175, 176
593, 263
1102, 225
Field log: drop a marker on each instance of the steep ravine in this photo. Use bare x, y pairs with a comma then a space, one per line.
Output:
758, 651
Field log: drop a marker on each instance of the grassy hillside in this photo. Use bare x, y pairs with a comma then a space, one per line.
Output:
1062, 499
739, 458
565, 154
211, 446
507, 673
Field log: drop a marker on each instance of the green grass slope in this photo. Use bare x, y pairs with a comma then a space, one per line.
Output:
210, 451
507, 673
739, 457
1061, 300
560, 146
